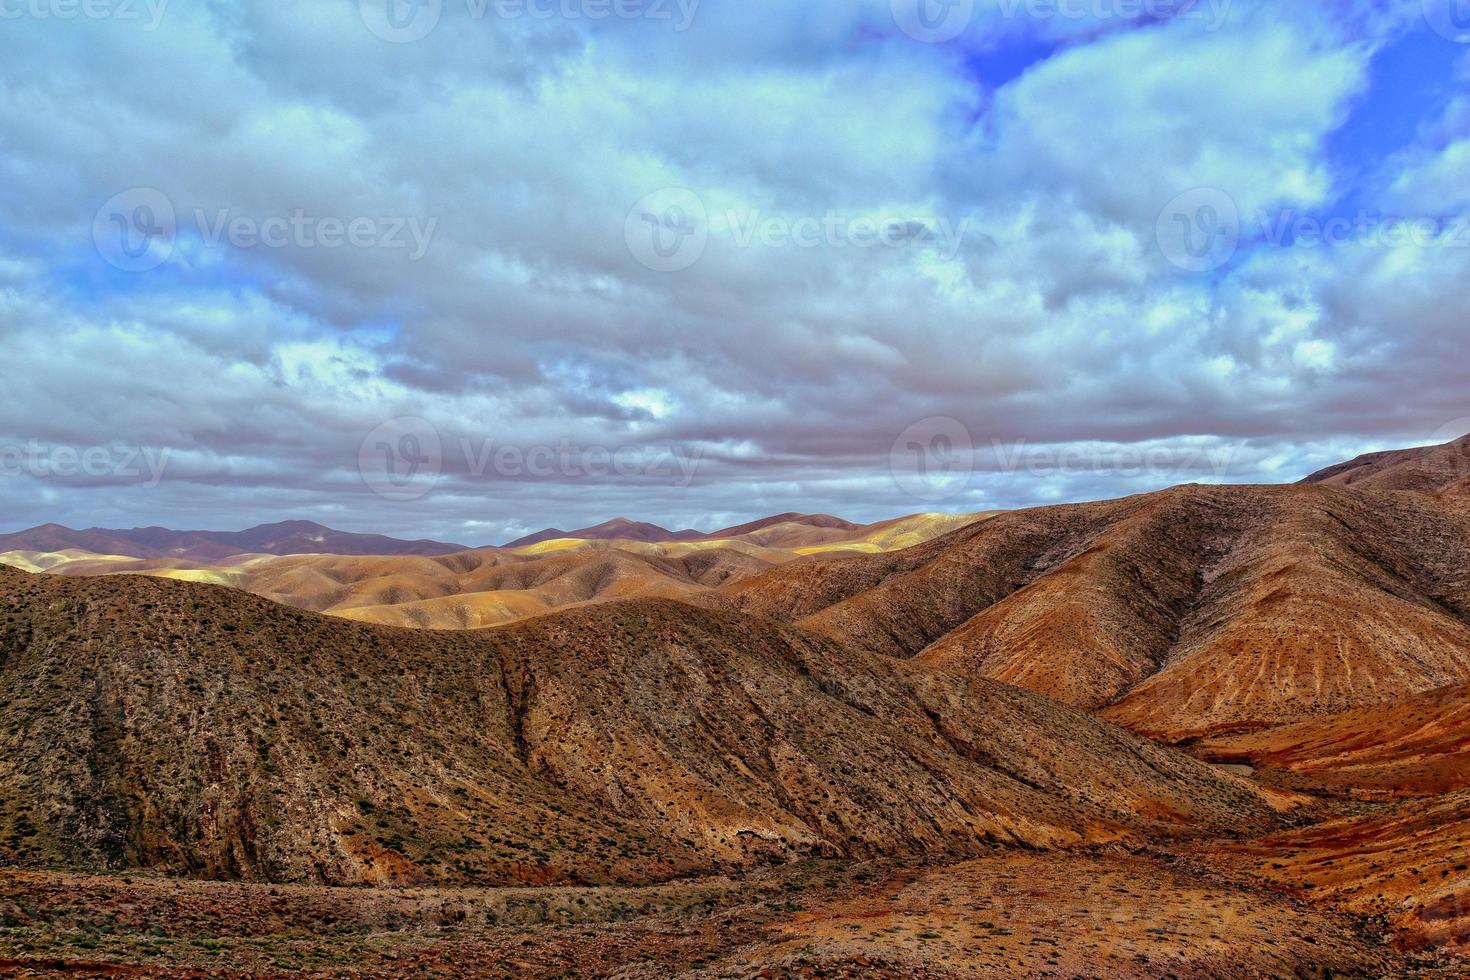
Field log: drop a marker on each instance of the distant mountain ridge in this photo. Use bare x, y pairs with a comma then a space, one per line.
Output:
284, 538
1427, 469
617, 529
624, 529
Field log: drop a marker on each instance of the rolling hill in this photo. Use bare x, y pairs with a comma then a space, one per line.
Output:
1417, 746
617, 529
489, 587
205, 732
1183, 613
1427, 469
1405, 864
1234, 717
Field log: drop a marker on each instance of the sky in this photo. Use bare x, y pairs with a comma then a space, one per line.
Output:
469, 268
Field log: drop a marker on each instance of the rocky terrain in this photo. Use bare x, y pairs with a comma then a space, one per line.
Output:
1179, 614
1443, 470
422, 585
1404, 864
201, 731
1209, 731
999, 914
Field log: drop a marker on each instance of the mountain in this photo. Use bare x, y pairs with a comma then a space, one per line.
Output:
486, 588
792, 532
204, 732
1405, 864
1428, 469
807, 520
1417, 746
619, 528
489, 587
1213, 730
285, 538
1183, 613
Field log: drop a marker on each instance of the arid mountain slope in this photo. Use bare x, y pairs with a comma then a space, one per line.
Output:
808, 520
1409, 863
465, 590
1427, 469
1184, 612
489, 587
1419, 746
617, 529
199, 730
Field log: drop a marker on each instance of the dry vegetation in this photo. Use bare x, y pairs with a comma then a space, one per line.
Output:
1003, 914
693, 759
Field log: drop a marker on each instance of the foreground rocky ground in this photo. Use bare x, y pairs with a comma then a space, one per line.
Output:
1007, 913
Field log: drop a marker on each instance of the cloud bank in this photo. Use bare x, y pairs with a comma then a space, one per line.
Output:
466, 269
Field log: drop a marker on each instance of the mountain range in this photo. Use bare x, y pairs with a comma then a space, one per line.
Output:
1220, 728
284, 538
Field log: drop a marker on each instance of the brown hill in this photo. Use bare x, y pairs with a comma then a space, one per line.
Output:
793, 533
617, 529
198, 730
465, 590
1428, 469
1007, 913
474, 589
808, 520
1419, 746
1409, 864
486, 588
1185, 612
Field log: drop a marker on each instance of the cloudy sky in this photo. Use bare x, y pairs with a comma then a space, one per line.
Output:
465, 268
